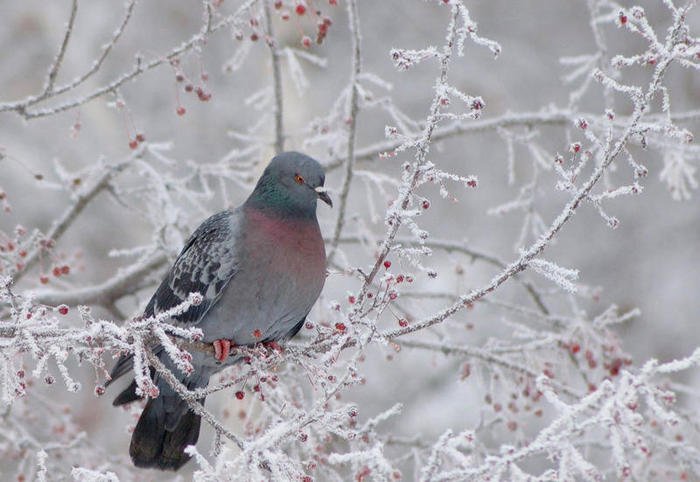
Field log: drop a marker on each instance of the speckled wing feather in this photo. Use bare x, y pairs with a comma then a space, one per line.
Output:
205, 265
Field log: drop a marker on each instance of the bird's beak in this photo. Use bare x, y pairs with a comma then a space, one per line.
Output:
323, 195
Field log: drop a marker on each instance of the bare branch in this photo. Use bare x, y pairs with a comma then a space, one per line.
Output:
276, 79
352, 126
58, 60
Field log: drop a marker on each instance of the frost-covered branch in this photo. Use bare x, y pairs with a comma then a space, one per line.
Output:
351, 120
23, 107
446, 344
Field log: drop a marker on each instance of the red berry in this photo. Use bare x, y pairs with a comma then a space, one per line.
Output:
99, 390
254, 37
301, 9
133, 144
189, 88
43, 279
403, 323
351, 299
425, 204
278, 4
240, 395
257, 334
615, 367
575, 348
623, 18
57, 271
63, 309
140, 137
333, 2
340, 326
387, 264
203, 96
180, 110
65, 269
179, 77
399, 278
306, 41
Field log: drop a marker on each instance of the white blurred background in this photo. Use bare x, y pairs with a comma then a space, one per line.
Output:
651, 261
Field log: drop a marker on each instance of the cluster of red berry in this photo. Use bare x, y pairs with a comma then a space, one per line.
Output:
189, 87
301, 8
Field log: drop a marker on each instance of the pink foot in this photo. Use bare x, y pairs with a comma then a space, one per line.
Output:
221, 349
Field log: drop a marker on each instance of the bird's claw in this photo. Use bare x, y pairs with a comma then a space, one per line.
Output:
221, 349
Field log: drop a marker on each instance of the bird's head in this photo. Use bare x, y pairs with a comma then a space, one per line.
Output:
291, 183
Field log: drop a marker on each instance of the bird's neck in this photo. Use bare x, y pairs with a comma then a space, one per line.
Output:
274, 201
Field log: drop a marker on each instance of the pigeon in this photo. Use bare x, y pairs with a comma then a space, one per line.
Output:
259, 269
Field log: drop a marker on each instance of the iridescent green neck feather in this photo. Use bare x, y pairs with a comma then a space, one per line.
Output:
272, 197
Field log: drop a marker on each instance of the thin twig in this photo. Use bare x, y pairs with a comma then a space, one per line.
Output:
487, 357
558, 118
539, 246
58, 60
61, 225
410, 184
372, 152
450, 246
352, 127
106, 49
105, 294
21, 106
276, 79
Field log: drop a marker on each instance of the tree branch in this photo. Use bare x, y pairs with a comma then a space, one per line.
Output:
352, 126
276, 79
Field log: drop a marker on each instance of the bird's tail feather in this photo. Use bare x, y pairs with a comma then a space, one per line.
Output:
128, 395
154, 445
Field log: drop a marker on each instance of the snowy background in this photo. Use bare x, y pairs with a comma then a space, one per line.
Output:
651, 261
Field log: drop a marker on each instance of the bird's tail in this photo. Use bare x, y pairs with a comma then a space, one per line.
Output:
156, 444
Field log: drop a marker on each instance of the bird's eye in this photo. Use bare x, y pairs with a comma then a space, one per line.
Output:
299, 179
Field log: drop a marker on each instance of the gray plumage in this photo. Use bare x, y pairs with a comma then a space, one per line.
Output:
260, 269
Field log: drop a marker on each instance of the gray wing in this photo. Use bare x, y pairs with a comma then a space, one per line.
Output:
205, 265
